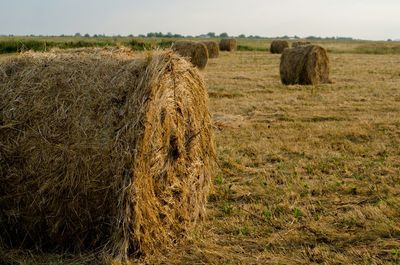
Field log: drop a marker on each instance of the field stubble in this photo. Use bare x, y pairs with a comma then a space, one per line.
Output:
307, 175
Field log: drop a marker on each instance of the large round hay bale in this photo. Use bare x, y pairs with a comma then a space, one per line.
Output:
228, 45
278, 46
195, 51
100, 150
212, 48
304, 65
300, 43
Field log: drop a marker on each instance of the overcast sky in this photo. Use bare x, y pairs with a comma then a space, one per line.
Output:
364, 19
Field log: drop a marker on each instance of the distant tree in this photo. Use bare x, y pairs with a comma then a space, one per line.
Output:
296, 37
130, 36
389, 39
224, 35
211, 34
87, 35
78, 34
242, 36
142, 36
151, 35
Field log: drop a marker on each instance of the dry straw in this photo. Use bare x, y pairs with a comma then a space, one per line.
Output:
102, 149
228, 45
304, 65
300, 43
195, 51
212, 48
278, 46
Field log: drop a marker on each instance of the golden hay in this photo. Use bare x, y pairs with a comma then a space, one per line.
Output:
300, 43
304, 65
278, 46
195, 51
102, 151
228, 45
212, 48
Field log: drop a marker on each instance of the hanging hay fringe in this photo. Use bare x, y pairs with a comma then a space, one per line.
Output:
304, 65
228, 45
195, 51
212, 48
300, 43
278, 46
102, 150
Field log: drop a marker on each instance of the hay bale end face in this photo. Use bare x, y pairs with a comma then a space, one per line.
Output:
101, 150
195, 51
228, 45
212, 48
300, 43
278, 46
304, 65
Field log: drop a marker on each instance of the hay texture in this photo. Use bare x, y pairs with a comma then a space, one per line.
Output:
304, 65
196, 52
278, 46
228, 45
212, 48
300, 43
102, 150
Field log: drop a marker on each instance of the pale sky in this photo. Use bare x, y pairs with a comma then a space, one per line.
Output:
364, 19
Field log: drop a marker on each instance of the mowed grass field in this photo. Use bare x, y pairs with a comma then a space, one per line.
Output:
306, 175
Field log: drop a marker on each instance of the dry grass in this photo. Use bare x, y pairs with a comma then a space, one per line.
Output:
308, 175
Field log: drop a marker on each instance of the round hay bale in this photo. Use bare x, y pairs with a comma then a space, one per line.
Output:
278, 46
300, 43
195, 51
99, 150
212, 48
304, 65
228, 45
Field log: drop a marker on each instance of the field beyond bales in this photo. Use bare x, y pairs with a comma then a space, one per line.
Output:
17, 44
307, 175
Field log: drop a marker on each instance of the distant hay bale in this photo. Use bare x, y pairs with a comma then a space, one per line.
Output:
195, 51
212, 48
228, 45
278, 46
102, 151
300, 43
304, 65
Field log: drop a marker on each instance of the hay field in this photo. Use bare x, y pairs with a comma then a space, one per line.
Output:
307, 175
